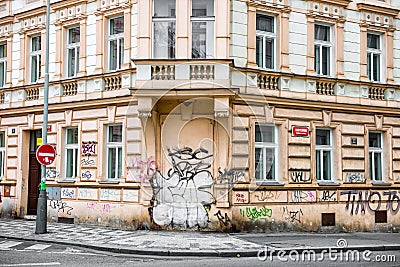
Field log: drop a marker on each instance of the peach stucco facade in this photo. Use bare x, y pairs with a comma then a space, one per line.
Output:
222, 115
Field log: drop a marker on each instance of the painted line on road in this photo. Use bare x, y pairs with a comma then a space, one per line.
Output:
38, 247
9, 244
31, 264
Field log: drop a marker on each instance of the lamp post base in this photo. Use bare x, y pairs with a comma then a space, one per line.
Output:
41, 218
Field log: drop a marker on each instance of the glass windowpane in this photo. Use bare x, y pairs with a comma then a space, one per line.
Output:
318, 164
270, 163
269, 53
323, 137
265, 23
202, 8
164, 40
259, 51
378, 166
117, 25
264, 134
374, 140
327, 165
74, 35
111, 162
164, 8
72, 136
259, 163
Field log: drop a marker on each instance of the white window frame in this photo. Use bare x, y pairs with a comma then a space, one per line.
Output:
119, 38
32, 54
161, 20
117, 146
75, 154
372, 52
264, 146
265, 35
76, 48
202, 19
373, 151
3, 157
3, 61
328, 44
322, 148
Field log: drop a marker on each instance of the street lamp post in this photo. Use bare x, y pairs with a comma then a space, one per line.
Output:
41, 218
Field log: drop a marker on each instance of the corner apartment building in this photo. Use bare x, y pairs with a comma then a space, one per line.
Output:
259, 115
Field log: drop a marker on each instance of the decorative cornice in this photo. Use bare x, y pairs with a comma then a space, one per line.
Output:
31, 13
342, 3
5, 20
389, 11
64, 4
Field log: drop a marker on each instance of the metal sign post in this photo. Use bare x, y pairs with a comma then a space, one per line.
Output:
41, 218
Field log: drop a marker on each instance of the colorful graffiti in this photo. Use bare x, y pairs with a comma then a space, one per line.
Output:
253, 214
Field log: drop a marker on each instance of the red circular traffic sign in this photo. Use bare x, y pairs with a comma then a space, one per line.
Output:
45, 154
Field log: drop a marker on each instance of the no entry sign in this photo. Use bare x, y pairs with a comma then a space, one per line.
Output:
45, 154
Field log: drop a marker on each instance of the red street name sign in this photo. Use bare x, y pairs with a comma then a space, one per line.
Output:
45, 154
300, 131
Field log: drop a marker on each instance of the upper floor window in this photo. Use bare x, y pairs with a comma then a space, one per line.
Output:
35, 58
114, 151
375, 151
73, 39
265, 41
2, 155
202, 20
115, 42
324, 157
266, 152
322, 49
3, 64
374, 56
71, 153
164, 29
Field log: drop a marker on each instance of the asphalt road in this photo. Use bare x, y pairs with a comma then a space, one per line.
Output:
27, 253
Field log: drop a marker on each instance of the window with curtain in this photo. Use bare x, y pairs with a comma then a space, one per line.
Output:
3, 64
71, 153
115, 41
114, 151
35, 58
324, 148
374, 57
202, 26
266, 152
322, 49
73, 39
265, 41
164, 19
375, 151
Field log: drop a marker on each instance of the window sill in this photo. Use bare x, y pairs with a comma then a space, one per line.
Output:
66, 181
109, 182
273, 183
328, 183
380, 183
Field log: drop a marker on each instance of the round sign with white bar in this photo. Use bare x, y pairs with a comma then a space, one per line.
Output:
45, 154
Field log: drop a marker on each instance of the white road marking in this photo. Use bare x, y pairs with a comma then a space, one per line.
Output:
38, 247
31, 264
9, 244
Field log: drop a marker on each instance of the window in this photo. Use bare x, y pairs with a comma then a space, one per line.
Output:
2, 155
71, 153
114, 151
374, 57
164, 29
73, 39
265, 41
35, 58
375, 151
115, 42
3, 64
266, 152
202, 20
324, 157
322, 49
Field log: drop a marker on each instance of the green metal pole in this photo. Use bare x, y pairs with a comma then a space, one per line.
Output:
41, 218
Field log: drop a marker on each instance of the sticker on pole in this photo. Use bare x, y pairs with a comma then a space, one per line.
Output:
45, 154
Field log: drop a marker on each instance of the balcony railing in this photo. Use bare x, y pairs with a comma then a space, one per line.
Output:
376, 92
163, 72
1, 97
202, 72
70, 88
112, 83
32, 93
325, 87
267, 81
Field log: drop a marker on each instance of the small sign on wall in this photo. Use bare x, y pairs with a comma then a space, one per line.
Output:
300, 131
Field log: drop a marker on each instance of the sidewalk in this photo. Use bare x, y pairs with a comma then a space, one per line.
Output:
168, 243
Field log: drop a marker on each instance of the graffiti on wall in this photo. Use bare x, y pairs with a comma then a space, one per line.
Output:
253, 214
53, 193
327, 196
292, 215
223, 220
89, 148
300, 176
230, 177
87, 175
52, 174
267, 195
354, 177
68, 192
180, 196
100, 207
141, 170
358, 201
303, 196
87, 193
60, 206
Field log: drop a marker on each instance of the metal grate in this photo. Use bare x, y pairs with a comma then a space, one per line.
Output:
381, 216
328, 219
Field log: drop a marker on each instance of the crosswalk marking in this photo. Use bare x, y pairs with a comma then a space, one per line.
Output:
38, 247
9, 244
